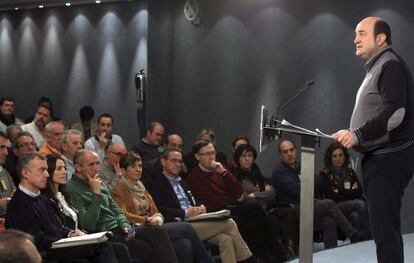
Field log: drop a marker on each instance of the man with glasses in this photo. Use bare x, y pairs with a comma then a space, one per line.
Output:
109, 170
23, 143
212, 183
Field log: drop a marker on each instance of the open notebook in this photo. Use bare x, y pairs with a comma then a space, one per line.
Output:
81, 240
219, 215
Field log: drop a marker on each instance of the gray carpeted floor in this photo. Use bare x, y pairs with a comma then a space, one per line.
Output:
363, 252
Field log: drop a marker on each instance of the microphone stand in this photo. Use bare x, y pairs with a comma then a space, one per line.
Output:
275, 119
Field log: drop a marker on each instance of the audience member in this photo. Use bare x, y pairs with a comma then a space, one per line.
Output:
86, 126
47, 103
234, 144
340, 184
217, 188
53, 135
32, 212
103, 136
17, 246
283, 219
327, 216
71, 142
12, 131
37, 126
175, 201
175, 142
138, 206
23, 143
7, 117
206, 135
150, 149
7, 187
97, 212
109, 171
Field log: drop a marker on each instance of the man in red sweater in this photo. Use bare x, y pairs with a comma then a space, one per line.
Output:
213, 184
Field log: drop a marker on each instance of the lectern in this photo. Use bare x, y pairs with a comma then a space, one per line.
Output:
270, 130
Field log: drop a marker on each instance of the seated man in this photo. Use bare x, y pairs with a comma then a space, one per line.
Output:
327, 216
150, 150
103, 136
7, 117
23, 143
37, 126
53, 135
7, 187
174, 200
109, 170
16, 246
32, 212
217, 188
71, 141
99, 212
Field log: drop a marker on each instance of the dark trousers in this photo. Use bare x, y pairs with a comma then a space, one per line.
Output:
186, 243
357, 213
385, 177
150, 245
97, 253
328, 217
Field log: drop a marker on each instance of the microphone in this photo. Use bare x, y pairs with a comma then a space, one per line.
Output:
280, 107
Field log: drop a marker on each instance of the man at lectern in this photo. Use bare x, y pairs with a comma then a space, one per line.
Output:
382, 129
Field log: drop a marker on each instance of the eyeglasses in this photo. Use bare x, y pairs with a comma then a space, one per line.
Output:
213, 153
26, 144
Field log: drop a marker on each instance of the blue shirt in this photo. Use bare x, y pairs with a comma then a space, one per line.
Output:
185, 204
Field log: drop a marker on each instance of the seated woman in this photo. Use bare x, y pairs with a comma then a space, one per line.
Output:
256, 189
55, 190
138, 206
340, 184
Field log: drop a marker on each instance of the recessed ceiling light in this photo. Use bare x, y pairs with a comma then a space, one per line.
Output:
98, 1
16, 8
41, 6
68, 4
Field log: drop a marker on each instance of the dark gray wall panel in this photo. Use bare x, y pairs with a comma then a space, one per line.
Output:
79, 55
249, 53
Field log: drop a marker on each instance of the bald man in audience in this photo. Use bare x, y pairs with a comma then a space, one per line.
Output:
71, 142
175, 142
53, 135
109, 170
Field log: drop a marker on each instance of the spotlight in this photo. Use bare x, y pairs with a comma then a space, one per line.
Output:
68, 4
97, 1
41, 6
16, 8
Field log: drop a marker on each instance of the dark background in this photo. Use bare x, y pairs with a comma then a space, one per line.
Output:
245, 53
